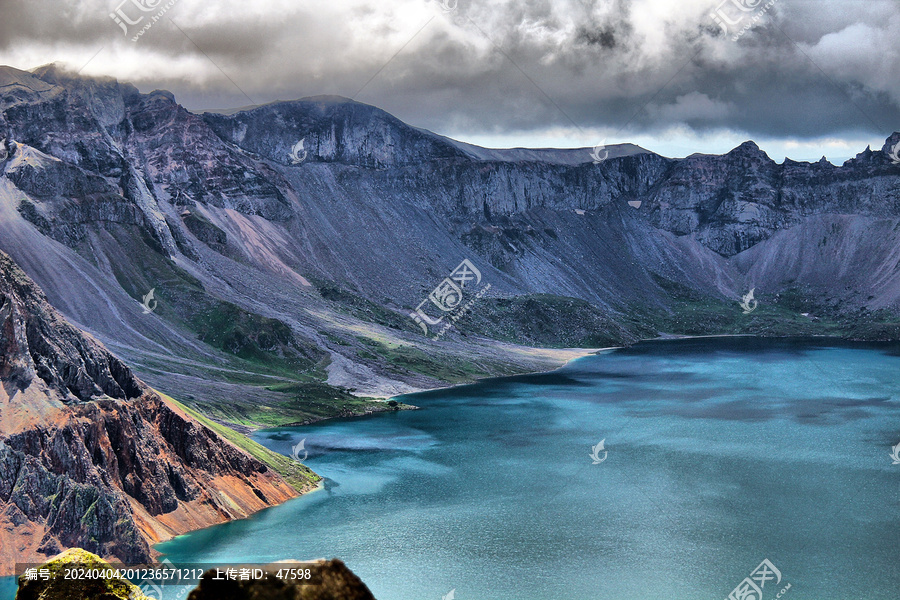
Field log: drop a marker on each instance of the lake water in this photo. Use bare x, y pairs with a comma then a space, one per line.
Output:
719, 453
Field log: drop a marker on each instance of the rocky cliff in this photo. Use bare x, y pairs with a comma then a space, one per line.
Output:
298, 264
91, 457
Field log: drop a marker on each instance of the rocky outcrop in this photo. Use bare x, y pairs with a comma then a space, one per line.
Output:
59, 587
333, 581
64, 200
729, 202
329, 580
733, 202
90, 457
332, 129
38, 344
228, 215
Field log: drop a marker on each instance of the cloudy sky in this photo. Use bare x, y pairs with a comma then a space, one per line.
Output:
804, 78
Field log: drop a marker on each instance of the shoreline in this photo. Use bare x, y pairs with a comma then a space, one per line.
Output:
574, 354
577, 355
566, 355
578, 352
583, 353
320, 486
401, 406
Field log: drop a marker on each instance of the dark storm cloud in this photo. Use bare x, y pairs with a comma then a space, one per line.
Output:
805, 68
23, 21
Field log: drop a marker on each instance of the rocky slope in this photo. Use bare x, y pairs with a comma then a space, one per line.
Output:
285, 274
91, 457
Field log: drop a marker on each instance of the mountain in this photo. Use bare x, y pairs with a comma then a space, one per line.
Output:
288, 244
91, 457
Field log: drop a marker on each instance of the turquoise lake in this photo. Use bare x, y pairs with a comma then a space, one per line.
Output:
719, 454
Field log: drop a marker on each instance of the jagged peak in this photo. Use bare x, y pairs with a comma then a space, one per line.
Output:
892, 141
39, 344
888, 152
749, 145
751, 150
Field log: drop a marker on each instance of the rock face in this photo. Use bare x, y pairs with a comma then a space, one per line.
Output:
38, 344
106, 193
58, 587
333, 581
90, 457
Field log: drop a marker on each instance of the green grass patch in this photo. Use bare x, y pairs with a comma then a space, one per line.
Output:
362, 308
409, 358
293, 403
299, 476
776, 315
544, 320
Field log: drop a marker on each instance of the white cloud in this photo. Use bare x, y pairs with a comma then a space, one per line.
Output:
645, 68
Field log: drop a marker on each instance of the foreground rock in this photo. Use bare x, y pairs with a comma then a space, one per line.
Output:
60, 588
332, 580
91, 457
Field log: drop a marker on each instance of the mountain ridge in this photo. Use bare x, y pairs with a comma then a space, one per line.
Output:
312, 267
91, 457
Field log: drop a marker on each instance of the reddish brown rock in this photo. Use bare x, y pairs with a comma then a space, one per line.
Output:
91, 457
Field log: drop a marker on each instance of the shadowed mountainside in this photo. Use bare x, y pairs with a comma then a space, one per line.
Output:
285, 275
